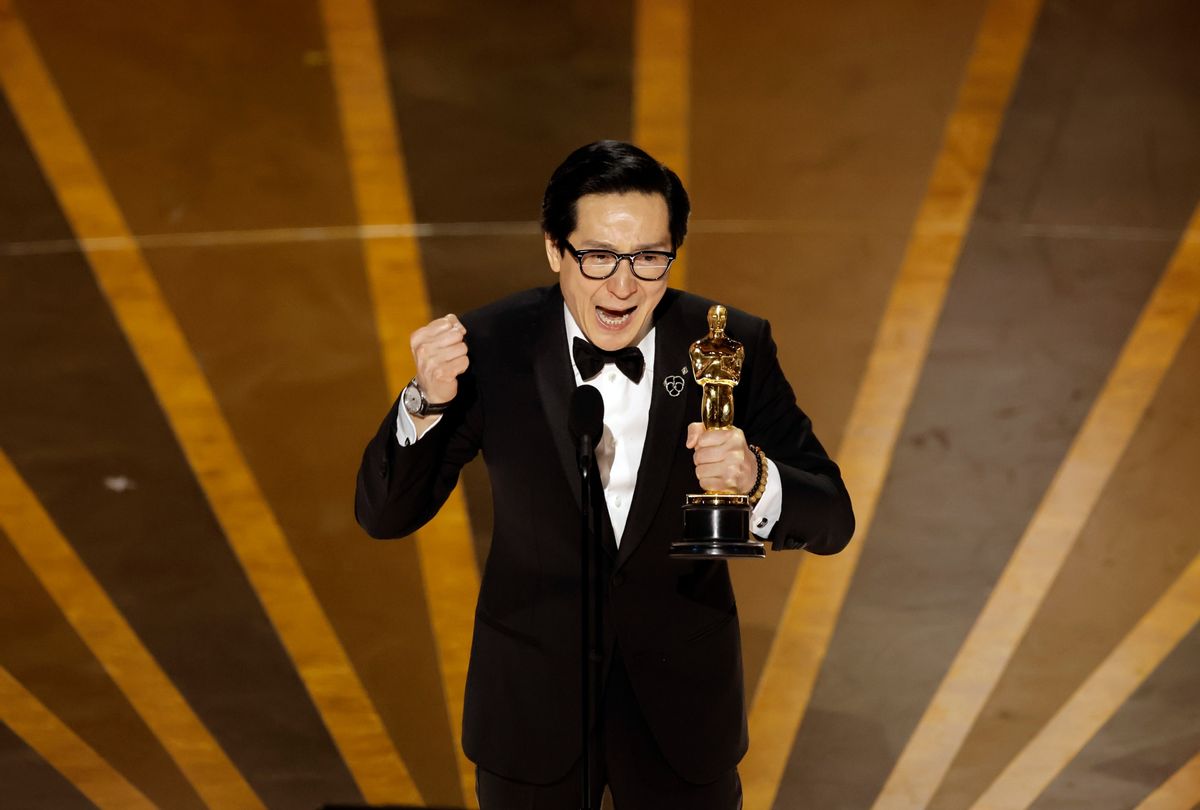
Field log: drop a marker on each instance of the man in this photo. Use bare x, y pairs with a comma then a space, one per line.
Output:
672, 723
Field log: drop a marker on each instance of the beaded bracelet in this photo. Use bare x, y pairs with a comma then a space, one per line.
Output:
760, 481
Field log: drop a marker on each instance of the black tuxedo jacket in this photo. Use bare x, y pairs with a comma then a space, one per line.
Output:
674, 621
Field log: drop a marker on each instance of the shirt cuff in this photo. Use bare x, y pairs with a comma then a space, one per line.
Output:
406, 429
770, 505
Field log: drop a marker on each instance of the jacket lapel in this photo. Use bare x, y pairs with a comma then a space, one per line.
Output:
665, 428
556, 382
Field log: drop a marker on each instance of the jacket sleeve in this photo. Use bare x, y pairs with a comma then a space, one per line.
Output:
816, 515
400, 489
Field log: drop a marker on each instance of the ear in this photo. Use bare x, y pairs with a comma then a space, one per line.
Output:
553, 254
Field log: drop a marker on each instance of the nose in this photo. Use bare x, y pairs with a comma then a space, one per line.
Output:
623, 283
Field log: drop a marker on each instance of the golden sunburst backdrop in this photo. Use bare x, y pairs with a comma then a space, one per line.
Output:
973, 225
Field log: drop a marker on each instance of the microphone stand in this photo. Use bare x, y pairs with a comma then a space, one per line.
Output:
588, 621
586, 424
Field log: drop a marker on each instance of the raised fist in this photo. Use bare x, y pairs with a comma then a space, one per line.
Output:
441, 355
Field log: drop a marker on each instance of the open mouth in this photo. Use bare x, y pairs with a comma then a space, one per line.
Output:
614, 318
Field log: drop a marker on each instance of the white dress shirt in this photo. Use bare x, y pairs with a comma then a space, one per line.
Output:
619, 453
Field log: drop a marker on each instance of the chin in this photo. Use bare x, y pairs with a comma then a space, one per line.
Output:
611, 343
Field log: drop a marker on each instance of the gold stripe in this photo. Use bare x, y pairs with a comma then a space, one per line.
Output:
887, 387
1052, 531
1180, 792
110, 638
662, 34
1091, 706
444, 546
41, 729
206, 439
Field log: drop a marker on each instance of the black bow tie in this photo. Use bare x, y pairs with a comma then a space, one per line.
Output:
590, 359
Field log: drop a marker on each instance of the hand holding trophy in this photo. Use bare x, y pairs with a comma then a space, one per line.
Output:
717, 523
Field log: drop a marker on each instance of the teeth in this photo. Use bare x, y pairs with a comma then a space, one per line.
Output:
612, 320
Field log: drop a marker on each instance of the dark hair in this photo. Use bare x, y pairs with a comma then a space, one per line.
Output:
610, 167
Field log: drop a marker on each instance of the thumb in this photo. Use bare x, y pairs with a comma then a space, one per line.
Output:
693, 434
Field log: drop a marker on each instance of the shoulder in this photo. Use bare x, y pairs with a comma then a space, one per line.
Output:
512, 315
512, 308
507, 331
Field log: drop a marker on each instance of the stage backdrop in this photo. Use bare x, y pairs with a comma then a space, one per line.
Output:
972, 224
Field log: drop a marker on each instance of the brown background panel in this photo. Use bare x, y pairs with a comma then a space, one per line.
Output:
1139, 538
1151, 737
205, 116
468, 271
30, 213
225, 117
824, 113
79, 411
41, 650
1113, 84
30, 783
285, 335
1012, 371
814, 129
491, 97
1032, 325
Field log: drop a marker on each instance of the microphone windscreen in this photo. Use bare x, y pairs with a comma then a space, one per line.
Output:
587, 413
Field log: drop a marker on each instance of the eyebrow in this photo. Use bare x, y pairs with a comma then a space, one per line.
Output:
592, 244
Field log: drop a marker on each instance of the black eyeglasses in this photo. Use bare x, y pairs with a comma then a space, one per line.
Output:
648, 265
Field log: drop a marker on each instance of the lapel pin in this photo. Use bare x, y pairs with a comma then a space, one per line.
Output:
673, 384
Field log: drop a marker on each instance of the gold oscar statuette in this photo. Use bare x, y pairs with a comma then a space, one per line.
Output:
717, 524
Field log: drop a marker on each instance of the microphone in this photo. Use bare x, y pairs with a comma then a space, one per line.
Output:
586, 422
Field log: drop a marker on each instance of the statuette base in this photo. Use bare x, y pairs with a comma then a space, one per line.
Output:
717, 526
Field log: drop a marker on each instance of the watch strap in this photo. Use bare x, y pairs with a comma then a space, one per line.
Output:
433, 409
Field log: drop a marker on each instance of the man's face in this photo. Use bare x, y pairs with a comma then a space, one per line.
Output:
614, 312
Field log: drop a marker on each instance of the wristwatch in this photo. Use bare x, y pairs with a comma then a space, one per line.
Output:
417, 405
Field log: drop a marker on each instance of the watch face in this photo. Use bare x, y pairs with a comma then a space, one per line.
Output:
412, 399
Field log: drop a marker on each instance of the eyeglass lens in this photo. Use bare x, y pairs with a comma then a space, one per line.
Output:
648, 265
